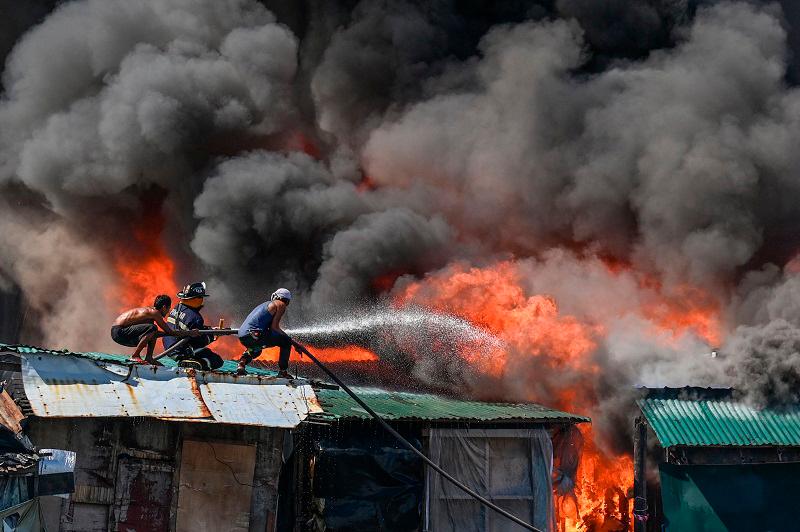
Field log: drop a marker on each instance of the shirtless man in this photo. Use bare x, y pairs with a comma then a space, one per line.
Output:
137, 328
262, 328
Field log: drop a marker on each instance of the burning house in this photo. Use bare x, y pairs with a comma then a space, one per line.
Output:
171, 449
722, 464
606, 190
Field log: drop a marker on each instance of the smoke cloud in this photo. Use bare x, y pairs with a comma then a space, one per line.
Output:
584, 184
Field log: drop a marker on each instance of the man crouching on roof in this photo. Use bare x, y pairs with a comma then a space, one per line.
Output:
137, 327
186, 316
262, 328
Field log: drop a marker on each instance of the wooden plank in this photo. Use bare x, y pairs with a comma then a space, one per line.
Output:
263, 505
142, 498
86, 517
216, 482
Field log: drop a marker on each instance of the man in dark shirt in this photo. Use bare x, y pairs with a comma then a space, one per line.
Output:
185, 317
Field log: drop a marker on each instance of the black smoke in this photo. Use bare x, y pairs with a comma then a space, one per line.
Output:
328, 147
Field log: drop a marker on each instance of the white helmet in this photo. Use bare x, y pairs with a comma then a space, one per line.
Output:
281, 293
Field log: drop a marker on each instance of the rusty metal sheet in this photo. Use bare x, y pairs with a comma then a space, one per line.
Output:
10, 414
61, 386
233, 399
65, 386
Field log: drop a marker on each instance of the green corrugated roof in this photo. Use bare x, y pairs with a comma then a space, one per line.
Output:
229, 365
409, 406
719, 421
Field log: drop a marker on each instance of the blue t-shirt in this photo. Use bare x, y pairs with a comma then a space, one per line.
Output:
259, 319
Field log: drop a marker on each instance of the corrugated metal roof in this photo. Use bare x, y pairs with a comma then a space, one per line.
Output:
719, 422
101, 384
59, 385
266, 405
414, 406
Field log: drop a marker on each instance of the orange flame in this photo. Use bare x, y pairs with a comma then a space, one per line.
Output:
559, 348
145, 269
535, 334
681, 309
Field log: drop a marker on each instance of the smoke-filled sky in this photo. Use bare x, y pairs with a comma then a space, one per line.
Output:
607, 156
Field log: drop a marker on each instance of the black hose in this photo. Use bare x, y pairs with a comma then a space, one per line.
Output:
175, 346
410, 446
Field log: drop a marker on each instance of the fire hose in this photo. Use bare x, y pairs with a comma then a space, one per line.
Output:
301, 349
183, 341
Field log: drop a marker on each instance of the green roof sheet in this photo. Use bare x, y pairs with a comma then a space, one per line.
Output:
229, 365
415, 406
719, 422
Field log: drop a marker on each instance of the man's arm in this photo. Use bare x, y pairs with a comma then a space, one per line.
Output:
280, 309
196, 322
159, 319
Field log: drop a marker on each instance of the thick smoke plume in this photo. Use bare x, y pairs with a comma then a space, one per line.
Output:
612, 203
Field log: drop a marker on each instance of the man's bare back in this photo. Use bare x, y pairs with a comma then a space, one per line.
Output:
135, 316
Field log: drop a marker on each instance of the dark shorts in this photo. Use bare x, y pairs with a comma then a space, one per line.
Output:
131, 335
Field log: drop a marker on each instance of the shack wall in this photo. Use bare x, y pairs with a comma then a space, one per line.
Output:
128, 470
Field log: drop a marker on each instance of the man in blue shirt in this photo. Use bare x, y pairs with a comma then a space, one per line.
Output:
262, 328
185, 317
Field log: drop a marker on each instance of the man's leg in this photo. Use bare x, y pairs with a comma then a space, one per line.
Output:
252, 351
208, 358
276, 339
145, 341
151, 347
286, 350
146, 333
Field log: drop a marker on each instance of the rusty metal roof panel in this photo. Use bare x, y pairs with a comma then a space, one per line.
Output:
62, 386
59, 385
273, 406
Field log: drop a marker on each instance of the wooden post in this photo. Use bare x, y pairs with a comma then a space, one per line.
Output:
640, 512
264, 498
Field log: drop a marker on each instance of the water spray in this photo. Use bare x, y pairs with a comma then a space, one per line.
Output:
363, 327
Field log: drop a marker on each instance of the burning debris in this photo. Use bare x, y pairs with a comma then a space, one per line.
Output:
515, 201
